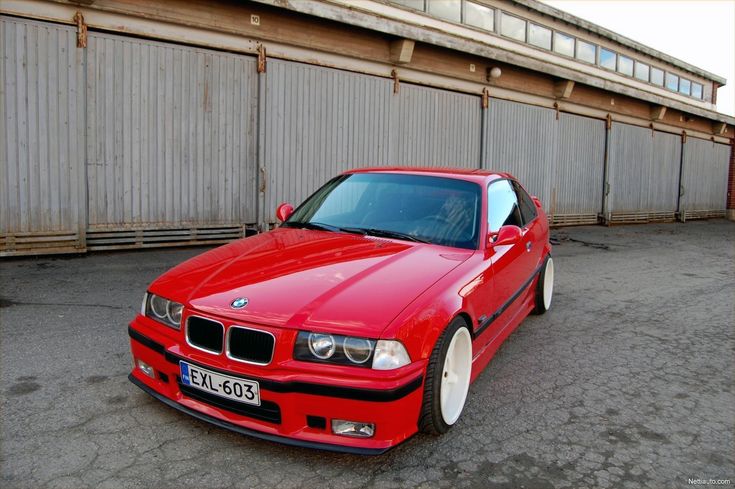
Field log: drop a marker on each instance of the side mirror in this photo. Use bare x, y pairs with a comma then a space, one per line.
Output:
507, 235
284, 211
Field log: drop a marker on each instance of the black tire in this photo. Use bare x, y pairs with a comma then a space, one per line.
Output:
539, 306
430, 419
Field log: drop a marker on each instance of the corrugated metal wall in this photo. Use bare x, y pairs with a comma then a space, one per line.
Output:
704, 178
133, 142
559, 160
318, 123
431, 127
171, 135
41, 138
643, 173
577, 175
522, 139
321, 121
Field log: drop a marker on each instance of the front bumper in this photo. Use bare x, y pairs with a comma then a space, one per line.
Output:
288, 397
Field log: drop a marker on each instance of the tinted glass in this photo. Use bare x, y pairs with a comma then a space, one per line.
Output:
539, 36
641, 71
696, 90
625, 65
607, 59
685, 86
672, 82
443, 211
479, 16
657, 76
446, 9
502, 206
528, 208
586, 51
513, 27
563, 44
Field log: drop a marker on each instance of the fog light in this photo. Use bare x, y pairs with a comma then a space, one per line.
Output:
146, 369
352, 428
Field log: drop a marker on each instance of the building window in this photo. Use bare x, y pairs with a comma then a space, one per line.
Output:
625, 65
586, 51
642, 71
446, 9
564, 44
685, 86
415, 4
657, 76
479, 16
697, 90
539, 36
607, 59
513, 27
672, 82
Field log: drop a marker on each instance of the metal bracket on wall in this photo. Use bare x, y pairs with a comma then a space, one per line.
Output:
556, 108
653, 132
396, 81
683, 137
261, 58
485, 98
81, 30
262, 180
609, 121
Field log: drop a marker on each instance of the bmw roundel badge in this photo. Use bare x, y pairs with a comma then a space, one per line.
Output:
239, 303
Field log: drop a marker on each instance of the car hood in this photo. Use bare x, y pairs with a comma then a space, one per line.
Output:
296, 278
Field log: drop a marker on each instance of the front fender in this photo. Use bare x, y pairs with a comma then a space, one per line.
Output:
420, 325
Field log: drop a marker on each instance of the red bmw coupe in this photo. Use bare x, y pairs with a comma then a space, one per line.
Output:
360, 321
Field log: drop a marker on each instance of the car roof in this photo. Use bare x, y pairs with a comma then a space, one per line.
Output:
457, 173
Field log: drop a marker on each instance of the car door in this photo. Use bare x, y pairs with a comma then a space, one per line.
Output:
533, 229
506, 265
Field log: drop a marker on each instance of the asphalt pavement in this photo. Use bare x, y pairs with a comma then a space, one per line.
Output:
627, 381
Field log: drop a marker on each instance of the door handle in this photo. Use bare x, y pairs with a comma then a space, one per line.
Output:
528, 246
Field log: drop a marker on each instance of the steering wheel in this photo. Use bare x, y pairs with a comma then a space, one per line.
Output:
438, 219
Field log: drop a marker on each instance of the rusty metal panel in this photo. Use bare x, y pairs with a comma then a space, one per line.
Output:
577, 169
643, 171
704, 177
41, 138
522, 139
171, 134
437, 128
318, 123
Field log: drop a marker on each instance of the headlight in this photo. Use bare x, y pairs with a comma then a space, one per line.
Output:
358, 350
163, 310
321, 345
332, 348
349, 350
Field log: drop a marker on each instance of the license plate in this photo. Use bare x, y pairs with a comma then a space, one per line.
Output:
241, 390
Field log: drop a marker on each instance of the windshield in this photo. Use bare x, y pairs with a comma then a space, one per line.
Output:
429, 209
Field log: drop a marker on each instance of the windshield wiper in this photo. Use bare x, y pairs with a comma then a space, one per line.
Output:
313, 225
384, 233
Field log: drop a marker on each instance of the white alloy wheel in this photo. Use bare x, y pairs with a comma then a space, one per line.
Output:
548, 283
455, 380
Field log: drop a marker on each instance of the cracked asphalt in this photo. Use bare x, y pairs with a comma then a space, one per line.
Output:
626, 382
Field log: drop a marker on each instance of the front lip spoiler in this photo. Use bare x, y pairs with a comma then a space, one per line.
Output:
353, 393
254, 433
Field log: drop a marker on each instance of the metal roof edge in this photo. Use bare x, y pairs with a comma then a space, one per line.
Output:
620, 39
371, 21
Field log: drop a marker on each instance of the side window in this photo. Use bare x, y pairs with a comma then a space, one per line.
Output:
528, 208
502, 206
